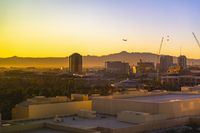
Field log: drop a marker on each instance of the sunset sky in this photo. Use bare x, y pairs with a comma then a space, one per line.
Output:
57, 28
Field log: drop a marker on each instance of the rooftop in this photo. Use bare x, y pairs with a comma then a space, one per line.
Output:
165, 98
101, 121
44, 100
106, 121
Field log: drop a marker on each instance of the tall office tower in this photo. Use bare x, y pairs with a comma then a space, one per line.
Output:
165, 63
75, 63
117, 67
182, 62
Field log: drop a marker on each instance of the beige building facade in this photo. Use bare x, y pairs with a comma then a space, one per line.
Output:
31, 110
169, 104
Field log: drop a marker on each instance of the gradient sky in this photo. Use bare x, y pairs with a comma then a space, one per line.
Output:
57, 28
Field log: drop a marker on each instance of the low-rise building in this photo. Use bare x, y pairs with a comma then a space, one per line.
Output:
165, 63
145, 67
170, 104
175, 69
117, 67
182, 62
191, 89
128, 83
79, 97
39, 107
182, 80
136, 112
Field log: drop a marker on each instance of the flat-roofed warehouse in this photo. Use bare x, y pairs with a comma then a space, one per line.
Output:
170, 104
40, 106
127, 112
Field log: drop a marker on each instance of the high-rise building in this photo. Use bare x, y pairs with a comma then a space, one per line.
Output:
117, 67
182, 62
75, 63
165, 63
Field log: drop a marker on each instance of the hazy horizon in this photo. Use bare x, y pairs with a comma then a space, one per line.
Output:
95, 55
88, 61
58, 28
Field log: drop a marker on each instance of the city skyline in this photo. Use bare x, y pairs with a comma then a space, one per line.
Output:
58, 28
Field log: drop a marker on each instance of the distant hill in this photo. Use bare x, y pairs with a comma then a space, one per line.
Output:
89, 61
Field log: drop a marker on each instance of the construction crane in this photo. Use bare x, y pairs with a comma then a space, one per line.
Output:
160, 48
195, 37
159, 52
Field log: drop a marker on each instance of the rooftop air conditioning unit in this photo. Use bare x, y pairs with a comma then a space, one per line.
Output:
87, 114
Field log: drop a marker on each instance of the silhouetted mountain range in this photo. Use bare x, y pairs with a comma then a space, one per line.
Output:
89, 61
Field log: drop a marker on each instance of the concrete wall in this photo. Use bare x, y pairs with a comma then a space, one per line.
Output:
79, 97
30, 127
69, 128
180, 108
132, 117
113, 106
46, 110
171, 109
20, 112
43, 110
